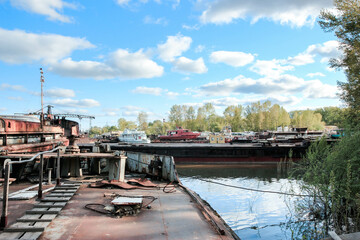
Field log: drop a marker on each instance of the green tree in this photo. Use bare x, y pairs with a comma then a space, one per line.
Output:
176, 115
234, 117
124, 124
345, 23
142, 121
95, 131
332, 115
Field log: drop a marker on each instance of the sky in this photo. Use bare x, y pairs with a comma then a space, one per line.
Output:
115, 58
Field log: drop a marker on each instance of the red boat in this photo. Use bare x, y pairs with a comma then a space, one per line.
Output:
179, 134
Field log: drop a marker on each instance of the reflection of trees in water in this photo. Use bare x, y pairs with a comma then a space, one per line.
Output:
261, 172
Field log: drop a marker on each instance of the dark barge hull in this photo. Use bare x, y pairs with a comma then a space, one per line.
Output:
220, 153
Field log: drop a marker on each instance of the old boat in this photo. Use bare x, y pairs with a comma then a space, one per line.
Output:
133, 136
27, 133
179, 134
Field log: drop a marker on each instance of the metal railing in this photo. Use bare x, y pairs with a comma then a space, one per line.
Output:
8, 162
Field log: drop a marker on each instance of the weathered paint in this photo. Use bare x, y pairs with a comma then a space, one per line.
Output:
151, 164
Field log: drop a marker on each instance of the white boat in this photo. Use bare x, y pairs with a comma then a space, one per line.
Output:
133, 136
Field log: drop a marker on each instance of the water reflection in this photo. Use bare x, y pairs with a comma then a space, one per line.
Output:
252, 215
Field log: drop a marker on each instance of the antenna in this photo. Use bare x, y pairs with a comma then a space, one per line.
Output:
42, 80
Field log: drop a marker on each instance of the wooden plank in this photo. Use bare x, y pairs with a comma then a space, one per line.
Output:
30, 216
62, 191
31, 235
60, 195
54, 199
33, 220
10, 235
60, 204
44, 205
48, 216
25, 229
42, 211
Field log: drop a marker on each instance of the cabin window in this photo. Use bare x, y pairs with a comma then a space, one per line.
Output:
9, 124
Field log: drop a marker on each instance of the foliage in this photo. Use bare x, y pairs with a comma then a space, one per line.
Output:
142, 121
332, 115
307, 118
331, 176
124, 124
345, 23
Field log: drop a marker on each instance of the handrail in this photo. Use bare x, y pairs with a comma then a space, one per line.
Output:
31, 159
8, 162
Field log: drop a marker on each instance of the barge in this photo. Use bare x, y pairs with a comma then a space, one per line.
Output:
221, 153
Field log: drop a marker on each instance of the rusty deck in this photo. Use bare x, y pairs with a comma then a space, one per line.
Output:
173, 215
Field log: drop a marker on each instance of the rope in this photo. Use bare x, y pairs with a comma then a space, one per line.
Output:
248, 189
172, 189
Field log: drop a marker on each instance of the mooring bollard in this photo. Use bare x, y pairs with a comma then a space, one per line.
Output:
3, 220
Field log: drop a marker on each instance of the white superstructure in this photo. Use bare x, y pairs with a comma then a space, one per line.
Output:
133, 136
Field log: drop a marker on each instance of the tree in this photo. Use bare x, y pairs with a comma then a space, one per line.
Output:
234, 117
345, 23
142, 121
332, 115
124, 124
176, 115
95, 131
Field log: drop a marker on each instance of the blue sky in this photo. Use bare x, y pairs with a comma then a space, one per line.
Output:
115, 58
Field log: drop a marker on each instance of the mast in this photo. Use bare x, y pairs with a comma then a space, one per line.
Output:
42, 80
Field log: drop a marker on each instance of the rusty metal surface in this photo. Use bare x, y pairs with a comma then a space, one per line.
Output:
143, 182
172, 216
105, 183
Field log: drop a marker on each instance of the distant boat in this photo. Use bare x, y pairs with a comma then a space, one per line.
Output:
179, 134
133, 136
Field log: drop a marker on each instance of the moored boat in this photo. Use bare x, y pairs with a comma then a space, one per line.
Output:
133, 136
179, 134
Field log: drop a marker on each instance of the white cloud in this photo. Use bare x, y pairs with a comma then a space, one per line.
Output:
60, 92
327, 50
235, 59
319, 74
16, 98
270, 68
295, 13
229, 101
49, 8
20, 88
185, 65
3, 109
123, 2
121, 63
271, 87
172, 94
317, 89
199, 48
158, 21
155, 91
147, 90
173, 47
82, 103
18, 46
301, 59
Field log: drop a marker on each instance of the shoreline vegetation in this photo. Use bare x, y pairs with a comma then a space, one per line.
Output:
331, 174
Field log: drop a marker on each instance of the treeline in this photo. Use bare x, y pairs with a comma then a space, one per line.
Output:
254, 117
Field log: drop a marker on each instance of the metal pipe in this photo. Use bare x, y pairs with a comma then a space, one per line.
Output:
4, 217
41, 176
58, 168
7, 163
49, 176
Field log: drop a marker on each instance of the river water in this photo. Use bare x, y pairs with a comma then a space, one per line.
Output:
250, 214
